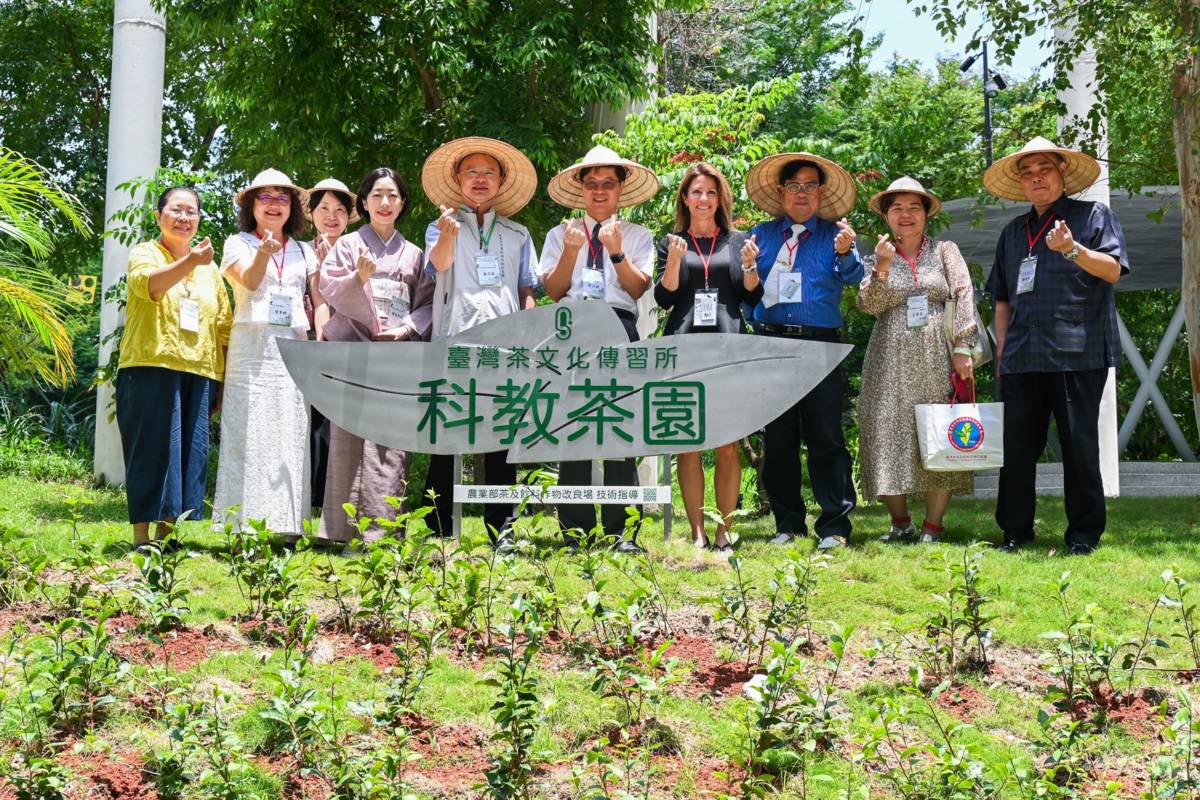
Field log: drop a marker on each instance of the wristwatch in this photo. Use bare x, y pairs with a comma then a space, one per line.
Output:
751, 268
616, 258
1073, 253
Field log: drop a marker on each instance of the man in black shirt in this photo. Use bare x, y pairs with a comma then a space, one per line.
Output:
1056, 333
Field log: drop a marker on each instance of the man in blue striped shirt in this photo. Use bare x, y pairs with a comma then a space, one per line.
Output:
805, 256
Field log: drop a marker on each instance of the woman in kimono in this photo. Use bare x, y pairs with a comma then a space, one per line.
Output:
375, 286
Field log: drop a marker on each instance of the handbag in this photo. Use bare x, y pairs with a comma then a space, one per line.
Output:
981, 353
960, 437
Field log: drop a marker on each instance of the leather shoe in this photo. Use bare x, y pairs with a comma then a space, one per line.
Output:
1080, 549
1010, 545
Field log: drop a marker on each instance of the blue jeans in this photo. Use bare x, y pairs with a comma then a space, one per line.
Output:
163, 418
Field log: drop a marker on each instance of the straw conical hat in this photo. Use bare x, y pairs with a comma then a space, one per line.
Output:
441, 185
1003, 178
641, 184
905, 185
762, 184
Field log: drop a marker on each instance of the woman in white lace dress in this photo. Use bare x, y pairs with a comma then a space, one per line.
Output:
264, 463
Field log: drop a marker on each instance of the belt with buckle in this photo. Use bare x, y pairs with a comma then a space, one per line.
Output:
801, 331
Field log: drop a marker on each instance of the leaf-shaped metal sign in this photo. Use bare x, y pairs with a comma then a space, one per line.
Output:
558, 383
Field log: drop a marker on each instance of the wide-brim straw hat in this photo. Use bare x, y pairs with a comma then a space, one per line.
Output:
1003, 178
337, 187
762, 184
641, 184
441, 186
905, 185
271, 177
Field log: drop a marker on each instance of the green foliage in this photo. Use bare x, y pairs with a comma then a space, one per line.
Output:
1175, 773
160, 595
33, 335
268, 575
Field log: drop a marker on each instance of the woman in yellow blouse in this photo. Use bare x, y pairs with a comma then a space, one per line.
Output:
177, 321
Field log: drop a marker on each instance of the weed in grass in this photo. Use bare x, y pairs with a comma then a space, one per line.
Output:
945, 765
207, 738
1181, 599
781, 616
791, 718
1175, 772
956, 634
517, 711
20, 567
268, 576
84, 568
160, 595
295, 714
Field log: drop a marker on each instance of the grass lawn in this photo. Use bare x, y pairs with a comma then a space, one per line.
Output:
286, 720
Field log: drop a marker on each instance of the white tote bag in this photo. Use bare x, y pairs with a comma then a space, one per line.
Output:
956, 437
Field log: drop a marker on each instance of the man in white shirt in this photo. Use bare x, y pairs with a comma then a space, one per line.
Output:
482, 263
600, 258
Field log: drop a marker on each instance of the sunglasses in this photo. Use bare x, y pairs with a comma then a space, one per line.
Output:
274, 199
796, 187
601, 186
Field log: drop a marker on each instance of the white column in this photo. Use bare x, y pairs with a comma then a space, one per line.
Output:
1079, 97
134, 145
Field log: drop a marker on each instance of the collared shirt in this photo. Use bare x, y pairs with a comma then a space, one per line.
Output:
1068, 321
636, 242
153, 336
824, 274
459, 301
287, 273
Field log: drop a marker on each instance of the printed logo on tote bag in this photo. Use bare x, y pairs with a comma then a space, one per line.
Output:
965, 434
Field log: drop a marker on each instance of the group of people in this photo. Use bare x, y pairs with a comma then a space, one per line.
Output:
187, 349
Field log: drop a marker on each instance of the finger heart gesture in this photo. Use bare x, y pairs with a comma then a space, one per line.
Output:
446, 223
750, 251
676, 248
845, 237
884, 249
575, 236
366, 264
270, 244
610, 236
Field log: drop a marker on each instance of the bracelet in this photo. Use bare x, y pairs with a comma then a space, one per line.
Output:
751, 268
963, 351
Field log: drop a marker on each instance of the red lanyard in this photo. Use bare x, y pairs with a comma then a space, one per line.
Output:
1029, 235
912, 263
595, 252
705, 260
792, 248
282, 258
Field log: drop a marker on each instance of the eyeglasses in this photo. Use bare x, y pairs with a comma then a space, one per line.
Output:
182, 213
601, 186
486, 174
796, 187
274, 199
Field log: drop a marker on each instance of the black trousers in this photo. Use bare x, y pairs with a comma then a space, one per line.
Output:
816, 420
1074, 400
318, 450
617, 472
440, 478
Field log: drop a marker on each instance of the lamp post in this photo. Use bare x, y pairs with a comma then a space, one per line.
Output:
992, 84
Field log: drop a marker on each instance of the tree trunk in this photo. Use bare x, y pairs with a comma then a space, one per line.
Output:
1187, 147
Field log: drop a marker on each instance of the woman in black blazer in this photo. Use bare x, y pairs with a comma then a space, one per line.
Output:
706, 272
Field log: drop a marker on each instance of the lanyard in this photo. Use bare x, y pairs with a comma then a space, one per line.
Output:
1028, 231
912, 263
280, 261
705, 260
792, 248
596, 252
187, 282
485, 242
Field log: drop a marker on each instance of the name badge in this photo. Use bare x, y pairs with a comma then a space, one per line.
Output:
280, 312
790, 285
1026, 275
704, 312
593, 283
918, 311
189, 315
398, 307
487, 266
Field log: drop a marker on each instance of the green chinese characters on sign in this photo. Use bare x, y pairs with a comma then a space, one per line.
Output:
673, 412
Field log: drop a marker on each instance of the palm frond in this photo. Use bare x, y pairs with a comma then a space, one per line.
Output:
30, 205
33, 338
